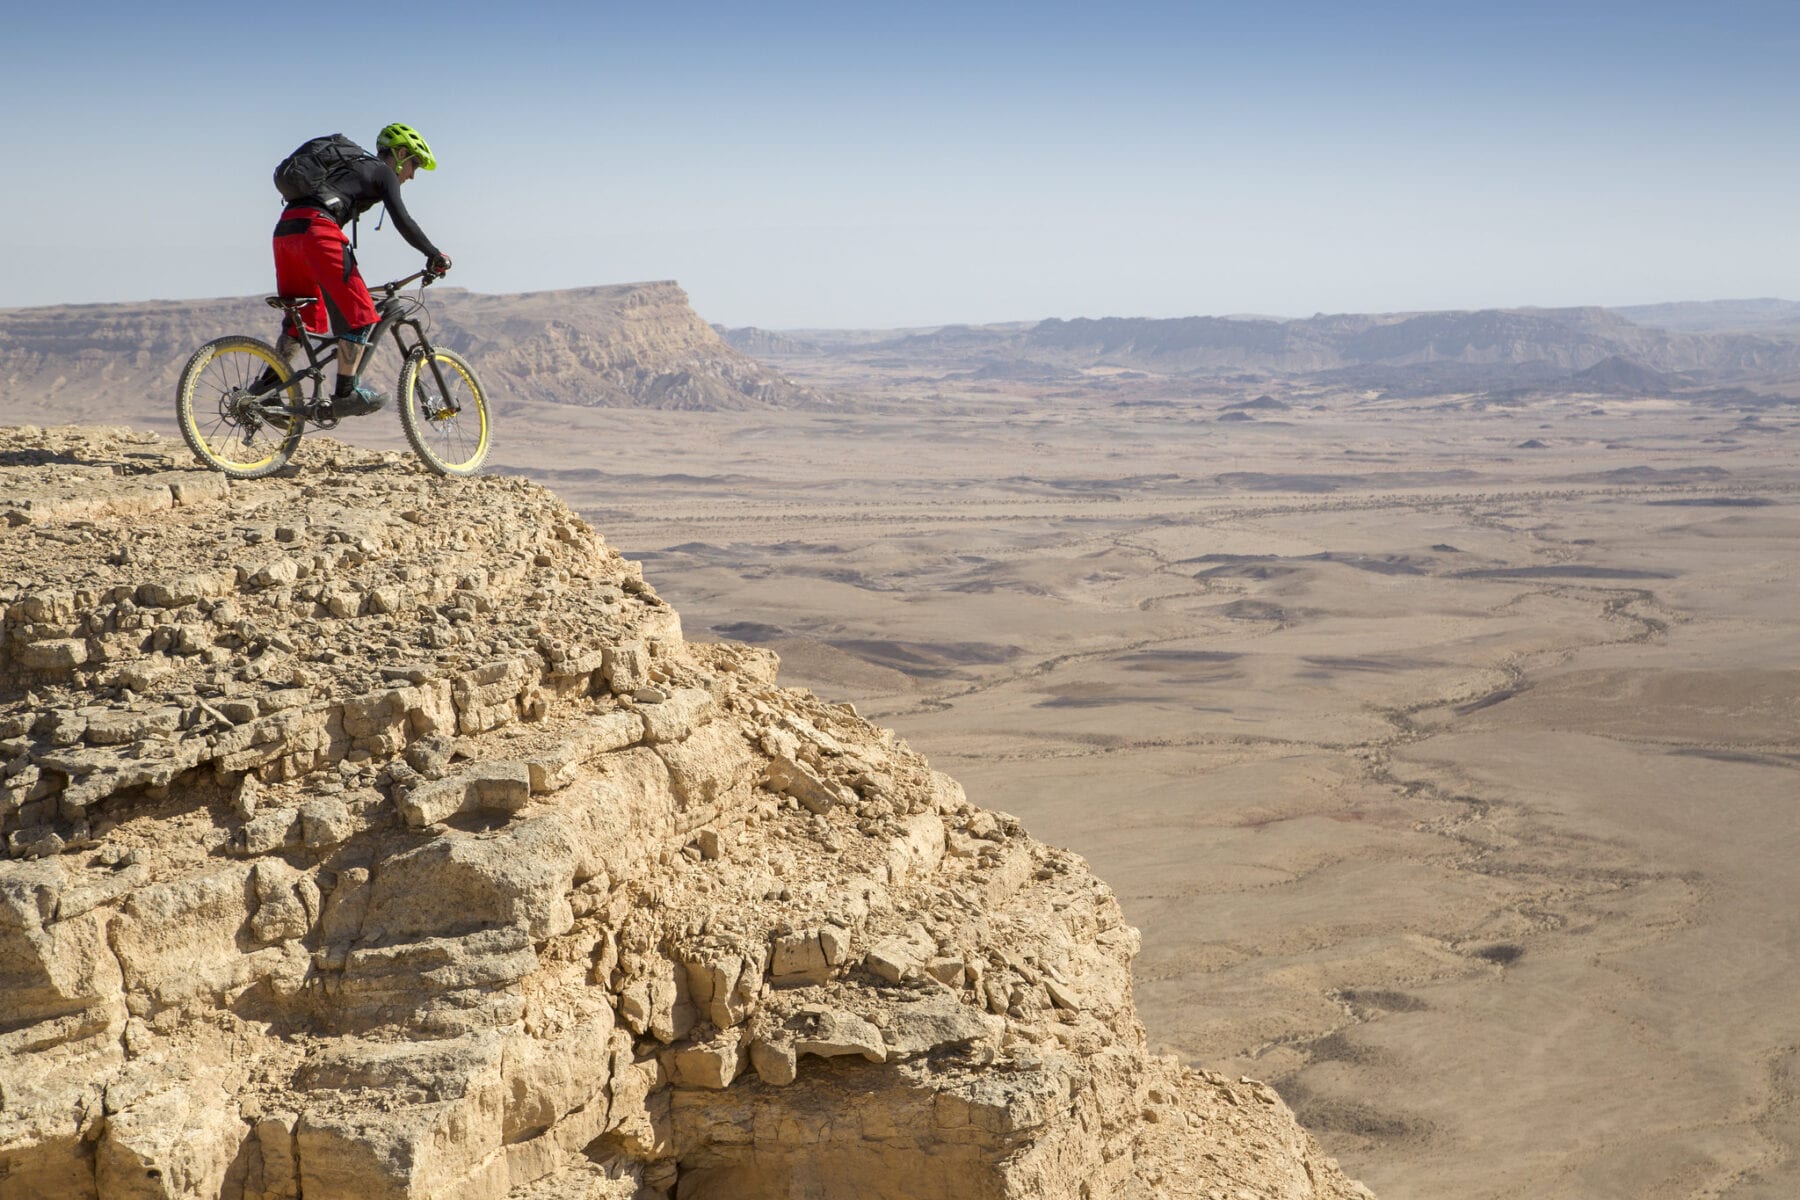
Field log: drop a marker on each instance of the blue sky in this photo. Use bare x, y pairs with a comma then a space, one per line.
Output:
829, 165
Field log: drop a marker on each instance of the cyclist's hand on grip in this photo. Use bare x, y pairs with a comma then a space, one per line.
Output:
437, 264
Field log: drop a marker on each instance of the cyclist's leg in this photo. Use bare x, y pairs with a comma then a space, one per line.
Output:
348, 305
345, 307
296, 274
293, 277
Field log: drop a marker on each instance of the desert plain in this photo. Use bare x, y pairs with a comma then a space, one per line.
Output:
1446, 752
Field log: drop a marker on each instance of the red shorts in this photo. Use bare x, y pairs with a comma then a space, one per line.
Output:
313, 258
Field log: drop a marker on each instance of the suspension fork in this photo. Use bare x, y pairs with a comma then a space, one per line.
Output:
419, 343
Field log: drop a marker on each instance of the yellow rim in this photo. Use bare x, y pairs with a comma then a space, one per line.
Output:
443, 429
225, 430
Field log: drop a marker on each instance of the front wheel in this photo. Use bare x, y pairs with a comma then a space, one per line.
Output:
232, 404
447, 421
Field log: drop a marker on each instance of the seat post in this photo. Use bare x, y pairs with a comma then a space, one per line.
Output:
290, 307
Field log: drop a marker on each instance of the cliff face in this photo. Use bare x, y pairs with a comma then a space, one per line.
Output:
637, 344
631, 344
376, 837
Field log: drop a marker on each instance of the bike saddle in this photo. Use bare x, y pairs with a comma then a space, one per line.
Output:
290, 301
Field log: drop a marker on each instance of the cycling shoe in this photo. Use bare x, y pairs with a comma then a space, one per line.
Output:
361, 401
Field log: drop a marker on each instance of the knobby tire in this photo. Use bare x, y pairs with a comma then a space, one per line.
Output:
450, 433
218, 423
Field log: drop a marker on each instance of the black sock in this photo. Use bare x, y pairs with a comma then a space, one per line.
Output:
345, 385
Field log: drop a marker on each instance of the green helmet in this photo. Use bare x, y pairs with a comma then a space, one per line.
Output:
405, 139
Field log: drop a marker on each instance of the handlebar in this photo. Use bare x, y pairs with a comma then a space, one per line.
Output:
396, 285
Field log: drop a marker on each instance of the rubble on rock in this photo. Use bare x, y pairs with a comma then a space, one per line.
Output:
376, 836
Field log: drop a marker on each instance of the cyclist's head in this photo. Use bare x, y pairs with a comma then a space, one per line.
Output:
403, 141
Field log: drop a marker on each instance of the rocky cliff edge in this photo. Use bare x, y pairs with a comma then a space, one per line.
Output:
371, 836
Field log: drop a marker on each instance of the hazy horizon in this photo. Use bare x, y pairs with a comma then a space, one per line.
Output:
999, 322
801, 166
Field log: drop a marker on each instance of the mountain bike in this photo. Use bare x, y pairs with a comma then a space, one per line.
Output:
242, 406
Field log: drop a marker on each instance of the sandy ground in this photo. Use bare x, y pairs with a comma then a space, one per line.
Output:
1454, 784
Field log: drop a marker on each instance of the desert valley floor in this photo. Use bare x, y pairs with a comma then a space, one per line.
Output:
1447, 754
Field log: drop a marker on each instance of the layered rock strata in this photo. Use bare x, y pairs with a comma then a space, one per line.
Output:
371, 836
623, 345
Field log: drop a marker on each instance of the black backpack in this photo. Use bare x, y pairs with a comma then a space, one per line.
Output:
308, 173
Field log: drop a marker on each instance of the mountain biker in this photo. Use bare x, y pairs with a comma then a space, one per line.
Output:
314, 257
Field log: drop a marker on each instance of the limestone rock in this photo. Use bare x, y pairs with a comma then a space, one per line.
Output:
375, 835
895, 959
503, 787
775, 1060
793, 778
799, 959
280, 912
712, 1064
677, 716
830, 1033
267, 831
932, 1024
167, 1136
325, 821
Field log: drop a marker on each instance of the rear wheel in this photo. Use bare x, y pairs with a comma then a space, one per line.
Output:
219, 404
447, 424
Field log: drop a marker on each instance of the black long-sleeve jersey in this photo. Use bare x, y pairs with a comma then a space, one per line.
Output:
368, 182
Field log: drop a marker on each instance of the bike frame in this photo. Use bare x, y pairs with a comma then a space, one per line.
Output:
392, 322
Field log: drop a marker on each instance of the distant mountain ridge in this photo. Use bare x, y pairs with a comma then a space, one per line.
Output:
622, 345
1484, 347
642, 345
766, 343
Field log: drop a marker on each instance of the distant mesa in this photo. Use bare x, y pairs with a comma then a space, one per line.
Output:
1265, 403
634, 345
1531, 444
1235, 416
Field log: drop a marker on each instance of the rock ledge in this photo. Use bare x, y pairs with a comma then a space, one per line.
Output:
373, 836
